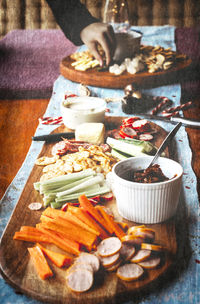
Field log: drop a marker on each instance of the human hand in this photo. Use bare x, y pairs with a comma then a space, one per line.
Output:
103, 34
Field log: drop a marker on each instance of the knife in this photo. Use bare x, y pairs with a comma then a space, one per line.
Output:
54, 136
191, 123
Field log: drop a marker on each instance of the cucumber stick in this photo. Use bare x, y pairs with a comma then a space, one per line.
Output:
146, 146
125, 147
118, 154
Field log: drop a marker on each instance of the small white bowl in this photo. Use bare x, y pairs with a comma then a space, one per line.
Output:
127, 44
147, 203
78, 110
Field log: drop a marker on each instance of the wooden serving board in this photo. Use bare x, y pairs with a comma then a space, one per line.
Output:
17, 268
105, 79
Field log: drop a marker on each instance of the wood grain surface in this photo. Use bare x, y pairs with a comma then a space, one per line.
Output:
18, 122
18, 270
105, 79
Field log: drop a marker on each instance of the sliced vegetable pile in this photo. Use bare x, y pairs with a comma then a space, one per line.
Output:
90, 238
132, 139
61, 189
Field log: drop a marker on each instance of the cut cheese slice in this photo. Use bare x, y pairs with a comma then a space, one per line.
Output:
90, 132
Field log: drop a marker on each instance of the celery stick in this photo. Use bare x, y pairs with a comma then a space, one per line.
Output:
68, 185
60, 181
47, 199
82, 185
103, 189
37, 186
93, 188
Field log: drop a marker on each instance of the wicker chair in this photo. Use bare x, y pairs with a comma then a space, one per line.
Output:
35, 14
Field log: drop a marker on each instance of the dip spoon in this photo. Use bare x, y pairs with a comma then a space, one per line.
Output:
165, 143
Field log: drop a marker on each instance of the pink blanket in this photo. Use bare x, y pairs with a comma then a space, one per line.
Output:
29, 62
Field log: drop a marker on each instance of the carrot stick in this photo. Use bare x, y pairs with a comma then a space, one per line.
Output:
70, 217
24, 236
87, 205
51, 212
71, 232
78, 212
45, 218
59, 259
40, 263
103, 213
60, 240
115, 227
72, 209
31, 230
88, 219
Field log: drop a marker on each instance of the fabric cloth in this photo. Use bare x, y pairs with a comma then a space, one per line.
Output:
72, 16
181, 284
29, 62
188, 42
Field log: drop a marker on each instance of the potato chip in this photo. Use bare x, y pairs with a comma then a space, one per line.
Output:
94, 157
45, 160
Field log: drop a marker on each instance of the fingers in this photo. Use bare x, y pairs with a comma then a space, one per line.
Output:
103, 34
108, 43
94, 50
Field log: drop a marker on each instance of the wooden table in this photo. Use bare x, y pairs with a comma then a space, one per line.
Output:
19, 120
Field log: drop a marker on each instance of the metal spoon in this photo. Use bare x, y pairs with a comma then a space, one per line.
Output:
165, 143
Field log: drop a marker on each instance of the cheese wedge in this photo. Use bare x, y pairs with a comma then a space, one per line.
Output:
90, 132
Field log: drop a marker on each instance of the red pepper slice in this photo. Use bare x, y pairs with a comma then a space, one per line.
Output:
121, 134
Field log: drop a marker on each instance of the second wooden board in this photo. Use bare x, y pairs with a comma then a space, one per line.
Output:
105, 79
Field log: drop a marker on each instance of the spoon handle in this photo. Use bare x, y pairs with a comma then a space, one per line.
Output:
165, 142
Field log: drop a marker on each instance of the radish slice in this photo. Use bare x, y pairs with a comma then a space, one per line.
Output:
106, 197
109, 246
128, 132
150, 263
35, 206
93, 201
146, 136
141, 125
80, 280
130, 120
141, 255
130, 272
65, 206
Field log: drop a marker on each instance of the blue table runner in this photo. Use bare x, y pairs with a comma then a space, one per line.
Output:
182, 286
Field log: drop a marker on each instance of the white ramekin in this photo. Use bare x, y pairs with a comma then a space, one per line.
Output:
147, 203
78, 110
